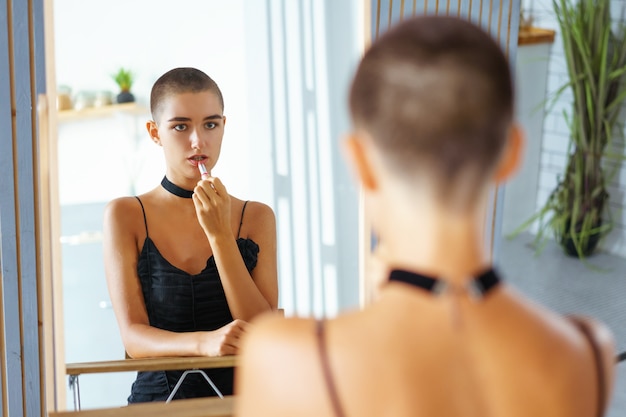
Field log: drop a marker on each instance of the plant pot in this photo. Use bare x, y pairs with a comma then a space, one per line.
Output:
588, 246
125, 97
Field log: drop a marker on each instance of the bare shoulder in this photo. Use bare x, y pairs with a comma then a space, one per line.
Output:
273, 336
259, 211
123, 218
121, 210
603, 342
276, 358
122, 203
558, 324
258, 219
600, 333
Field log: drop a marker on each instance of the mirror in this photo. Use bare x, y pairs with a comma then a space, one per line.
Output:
283, 68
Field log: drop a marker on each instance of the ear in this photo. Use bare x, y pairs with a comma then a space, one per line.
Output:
153, 131
224, 120
357, 157
512, 154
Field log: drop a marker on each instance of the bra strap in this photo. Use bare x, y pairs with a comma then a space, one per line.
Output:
145, 221
328, 377
241, 221
597, 358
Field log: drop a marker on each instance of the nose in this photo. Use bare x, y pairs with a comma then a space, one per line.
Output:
195, 139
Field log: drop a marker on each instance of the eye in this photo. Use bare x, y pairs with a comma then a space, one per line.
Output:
180, 128
210, 125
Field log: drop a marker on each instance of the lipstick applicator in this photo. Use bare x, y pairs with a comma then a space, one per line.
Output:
203, 172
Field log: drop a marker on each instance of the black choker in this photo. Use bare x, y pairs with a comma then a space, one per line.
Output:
175, 189
477, 287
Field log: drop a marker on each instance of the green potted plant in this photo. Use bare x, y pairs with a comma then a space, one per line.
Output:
124, 79
577, 210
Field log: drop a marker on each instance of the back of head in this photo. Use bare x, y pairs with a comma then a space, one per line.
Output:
181, 80
435, 95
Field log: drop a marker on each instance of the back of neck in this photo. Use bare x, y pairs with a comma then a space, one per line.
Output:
438, 245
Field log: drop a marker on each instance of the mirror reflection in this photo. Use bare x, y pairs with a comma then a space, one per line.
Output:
283, 69
283, 101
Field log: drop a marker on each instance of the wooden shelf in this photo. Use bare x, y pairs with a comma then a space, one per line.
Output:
533, 36
103, 111
151, 364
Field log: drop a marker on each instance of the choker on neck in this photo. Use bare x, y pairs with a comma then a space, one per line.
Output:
175, 189
477, 287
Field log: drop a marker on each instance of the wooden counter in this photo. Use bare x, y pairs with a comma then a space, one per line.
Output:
197, 407
151, 364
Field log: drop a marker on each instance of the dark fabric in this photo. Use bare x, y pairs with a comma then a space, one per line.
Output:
477, 287
181, 302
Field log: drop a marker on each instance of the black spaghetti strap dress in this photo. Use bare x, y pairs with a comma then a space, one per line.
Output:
181, 302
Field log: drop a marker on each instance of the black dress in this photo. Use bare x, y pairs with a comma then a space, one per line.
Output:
181, 302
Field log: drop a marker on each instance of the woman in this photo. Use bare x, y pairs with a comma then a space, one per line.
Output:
187, 265
432, 109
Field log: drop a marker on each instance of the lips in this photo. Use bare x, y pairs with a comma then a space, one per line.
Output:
196, 159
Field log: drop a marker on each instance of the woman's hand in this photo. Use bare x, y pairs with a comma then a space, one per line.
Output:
223, 341
212, 204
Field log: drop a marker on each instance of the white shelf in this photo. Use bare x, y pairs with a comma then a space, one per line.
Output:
103, 111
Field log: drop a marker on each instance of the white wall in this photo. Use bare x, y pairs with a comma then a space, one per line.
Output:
556, 132
531, 73
94, 38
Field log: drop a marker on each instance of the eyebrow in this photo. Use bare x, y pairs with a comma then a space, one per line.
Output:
187, 119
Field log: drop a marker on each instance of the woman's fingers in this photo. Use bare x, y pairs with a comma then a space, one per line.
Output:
209, 189
218, 186
229, 337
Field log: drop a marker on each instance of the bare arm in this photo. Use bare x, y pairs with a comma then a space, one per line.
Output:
122, 225
248, 294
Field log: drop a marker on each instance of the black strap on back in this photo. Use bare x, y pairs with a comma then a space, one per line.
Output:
328, 377
597, 358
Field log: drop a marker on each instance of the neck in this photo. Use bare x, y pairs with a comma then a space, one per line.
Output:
174, 189
182, 180
433, 241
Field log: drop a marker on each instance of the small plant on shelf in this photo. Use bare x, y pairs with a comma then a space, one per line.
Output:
124, 79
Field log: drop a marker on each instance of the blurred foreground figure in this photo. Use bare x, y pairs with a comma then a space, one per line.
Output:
433, 131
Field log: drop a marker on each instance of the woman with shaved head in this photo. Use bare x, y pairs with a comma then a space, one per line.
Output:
187, 264
433, 132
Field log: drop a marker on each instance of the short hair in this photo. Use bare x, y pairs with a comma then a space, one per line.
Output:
181, 80
435, 95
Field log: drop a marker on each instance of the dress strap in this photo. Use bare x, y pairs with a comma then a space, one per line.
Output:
145, 221
328, 377
597, 358
241, 221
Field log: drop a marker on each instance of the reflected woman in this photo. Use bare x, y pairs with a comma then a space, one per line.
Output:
432, 110
187, 265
